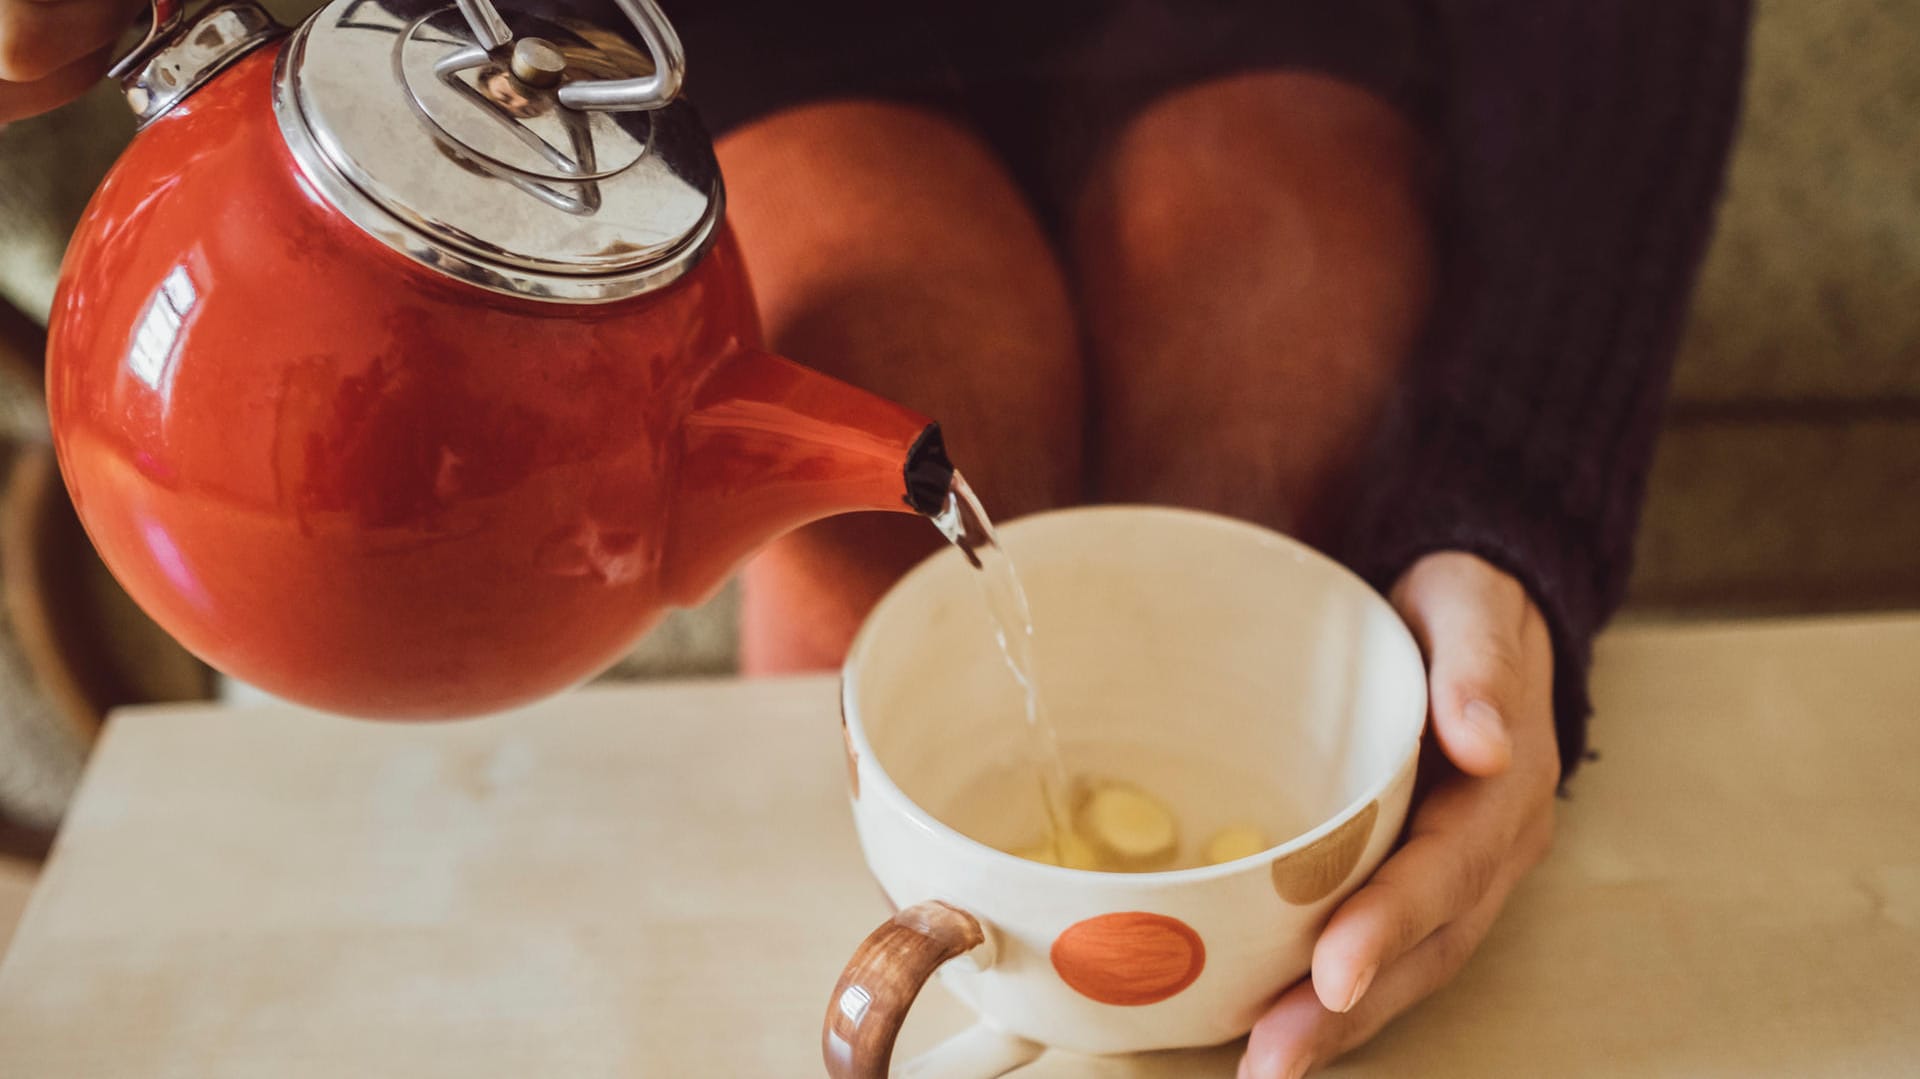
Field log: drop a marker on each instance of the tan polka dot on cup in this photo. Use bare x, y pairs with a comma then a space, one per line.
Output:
1129, 958
1311, 873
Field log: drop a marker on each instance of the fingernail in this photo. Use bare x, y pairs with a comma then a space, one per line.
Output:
1485, 721
1360, 986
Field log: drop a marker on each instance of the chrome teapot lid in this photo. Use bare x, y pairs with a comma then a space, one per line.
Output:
536, 155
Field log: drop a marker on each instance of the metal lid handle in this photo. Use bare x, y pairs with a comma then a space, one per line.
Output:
489, 29
165, 15
607, 95
178, 55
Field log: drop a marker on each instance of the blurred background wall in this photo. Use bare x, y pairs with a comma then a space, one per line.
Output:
1788, 479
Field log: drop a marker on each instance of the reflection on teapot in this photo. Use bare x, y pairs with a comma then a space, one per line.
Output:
398, 404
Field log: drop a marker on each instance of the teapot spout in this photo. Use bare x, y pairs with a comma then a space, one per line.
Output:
771, 445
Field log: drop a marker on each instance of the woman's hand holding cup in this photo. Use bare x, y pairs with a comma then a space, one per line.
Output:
1486, 819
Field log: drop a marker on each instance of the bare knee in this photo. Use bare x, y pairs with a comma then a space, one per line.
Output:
890, 248
1245, 190
1254, 265
846, 188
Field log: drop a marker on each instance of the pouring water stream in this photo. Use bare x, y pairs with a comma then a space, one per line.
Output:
965, 524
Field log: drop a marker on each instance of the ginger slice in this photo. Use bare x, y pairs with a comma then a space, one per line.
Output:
1130, 829
1234, 843
1074, 853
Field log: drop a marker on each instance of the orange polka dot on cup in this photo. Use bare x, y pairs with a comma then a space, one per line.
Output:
1129, 958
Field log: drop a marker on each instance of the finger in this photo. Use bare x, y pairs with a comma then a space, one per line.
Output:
1435, 962
41, 37
1468, 618
21, 100
1299, 1032
1460, 843
1282, 1042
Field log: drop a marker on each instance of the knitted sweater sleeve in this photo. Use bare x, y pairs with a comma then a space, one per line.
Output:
1584, 143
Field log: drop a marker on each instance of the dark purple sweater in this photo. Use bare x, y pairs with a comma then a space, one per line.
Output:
1585, 142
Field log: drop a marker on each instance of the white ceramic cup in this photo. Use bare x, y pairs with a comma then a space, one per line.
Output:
1160, 631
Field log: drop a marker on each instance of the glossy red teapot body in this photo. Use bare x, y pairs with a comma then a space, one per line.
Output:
338, 472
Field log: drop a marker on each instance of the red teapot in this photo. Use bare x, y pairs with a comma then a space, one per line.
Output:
404, 365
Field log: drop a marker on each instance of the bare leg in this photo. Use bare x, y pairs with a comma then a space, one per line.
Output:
1254, 265
889, 248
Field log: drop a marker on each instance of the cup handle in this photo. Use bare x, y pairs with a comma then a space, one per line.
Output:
880, 983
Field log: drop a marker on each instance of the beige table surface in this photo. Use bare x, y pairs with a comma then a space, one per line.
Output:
664, 881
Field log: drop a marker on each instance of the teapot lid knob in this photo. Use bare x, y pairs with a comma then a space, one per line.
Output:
537, 63
529, 153
620, 95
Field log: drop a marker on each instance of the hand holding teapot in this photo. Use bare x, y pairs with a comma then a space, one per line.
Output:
50, 53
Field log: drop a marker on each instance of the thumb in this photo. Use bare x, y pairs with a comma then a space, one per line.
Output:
21, 100
1287, 1040
1467, 617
